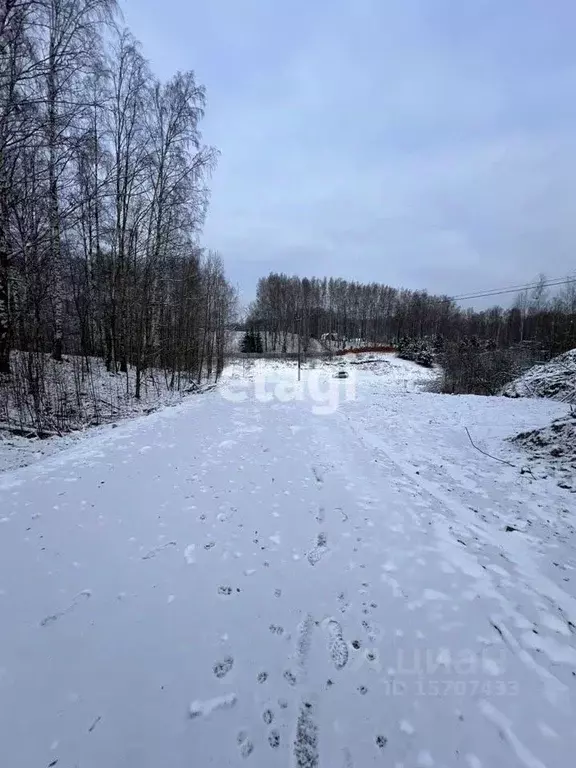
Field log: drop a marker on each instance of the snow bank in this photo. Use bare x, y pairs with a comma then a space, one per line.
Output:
554, 444
552, 447
556, 379
78, 394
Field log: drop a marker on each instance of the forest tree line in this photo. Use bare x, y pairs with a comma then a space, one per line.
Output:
103, 193
382, 314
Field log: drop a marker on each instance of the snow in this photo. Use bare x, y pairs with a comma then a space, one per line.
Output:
551, 449
556, 379
270, 583
205, 708
94, 397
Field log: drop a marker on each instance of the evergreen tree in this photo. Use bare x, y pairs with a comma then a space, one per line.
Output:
247, 342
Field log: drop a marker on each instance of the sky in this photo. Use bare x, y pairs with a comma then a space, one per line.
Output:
418, 143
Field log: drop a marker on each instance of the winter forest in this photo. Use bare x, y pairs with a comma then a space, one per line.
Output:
105, 288
478, 352
103, 192
383, 314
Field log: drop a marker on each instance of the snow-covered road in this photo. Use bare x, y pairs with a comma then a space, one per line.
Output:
224, 582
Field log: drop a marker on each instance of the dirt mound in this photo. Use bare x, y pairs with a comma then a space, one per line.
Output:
556, 445
556, 380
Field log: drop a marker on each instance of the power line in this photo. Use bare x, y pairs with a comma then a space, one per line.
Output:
516, 289
524, 286
521, 287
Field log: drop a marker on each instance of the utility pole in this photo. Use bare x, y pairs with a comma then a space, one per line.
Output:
298, 319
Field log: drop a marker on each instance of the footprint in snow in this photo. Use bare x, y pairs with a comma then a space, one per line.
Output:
319, 551
381, 741
290, 677
274, 738
337, 647
304, 641
222, 668
317, 475
306, 753
226, 590
372, 631
246, 746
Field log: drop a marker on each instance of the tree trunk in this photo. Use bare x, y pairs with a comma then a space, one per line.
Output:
4, 308
5, 335
54, 212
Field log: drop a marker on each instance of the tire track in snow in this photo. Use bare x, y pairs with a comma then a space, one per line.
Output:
538, 582
524, 755
532, 581
555, 689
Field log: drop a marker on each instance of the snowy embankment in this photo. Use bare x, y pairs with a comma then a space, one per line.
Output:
77, 395
314, 576
556, 380
551, 448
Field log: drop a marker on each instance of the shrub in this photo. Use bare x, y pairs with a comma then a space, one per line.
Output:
417, 350
475, 369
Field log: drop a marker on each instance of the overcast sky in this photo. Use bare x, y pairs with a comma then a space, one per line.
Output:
419, 143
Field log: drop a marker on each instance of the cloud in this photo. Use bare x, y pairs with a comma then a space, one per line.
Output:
419, 144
